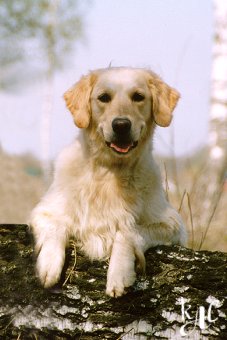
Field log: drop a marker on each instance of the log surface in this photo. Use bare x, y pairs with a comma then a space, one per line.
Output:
182, 296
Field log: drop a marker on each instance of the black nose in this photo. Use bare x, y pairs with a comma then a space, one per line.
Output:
121, 125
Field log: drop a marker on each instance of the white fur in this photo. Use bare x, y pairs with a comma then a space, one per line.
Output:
112, 205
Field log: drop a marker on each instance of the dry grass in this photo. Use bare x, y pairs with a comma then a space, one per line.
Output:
206, 227
21, 186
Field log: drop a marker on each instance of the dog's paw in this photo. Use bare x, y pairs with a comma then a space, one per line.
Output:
117, 284
49, 264
172, 228
115, 290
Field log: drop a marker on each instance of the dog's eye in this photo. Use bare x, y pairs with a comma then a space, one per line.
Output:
138, 97
104, 98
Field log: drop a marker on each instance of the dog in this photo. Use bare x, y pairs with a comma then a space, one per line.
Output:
107, 191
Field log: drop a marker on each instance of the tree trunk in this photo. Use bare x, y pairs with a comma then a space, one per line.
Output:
45, 128
50, 51
218, 109
183, 296
211, 179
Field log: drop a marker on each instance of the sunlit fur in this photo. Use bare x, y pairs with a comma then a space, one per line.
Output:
112, 204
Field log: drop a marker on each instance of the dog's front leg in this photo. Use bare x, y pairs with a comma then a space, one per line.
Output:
50, 226
121, 272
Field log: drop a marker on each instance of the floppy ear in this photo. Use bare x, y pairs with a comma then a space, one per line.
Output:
77, 100
164, 99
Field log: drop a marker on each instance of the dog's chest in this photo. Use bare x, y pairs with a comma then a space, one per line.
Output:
106, 200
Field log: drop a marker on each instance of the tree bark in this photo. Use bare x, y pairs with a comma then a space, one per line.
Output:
46, 118
218, 109
182, 296
208, 186
217, 160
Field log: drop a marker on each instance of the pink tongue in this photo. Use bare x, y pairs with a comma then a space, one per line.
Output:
117, 148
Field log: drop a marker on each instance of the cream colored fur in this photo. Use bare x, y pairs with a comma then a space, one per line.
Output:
111, 203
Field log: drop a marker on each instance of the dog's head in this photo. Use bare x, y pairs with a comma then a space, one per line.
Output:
120, 106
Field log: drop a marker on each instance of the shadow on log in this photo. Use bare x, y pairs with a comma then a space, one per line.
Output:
183, 296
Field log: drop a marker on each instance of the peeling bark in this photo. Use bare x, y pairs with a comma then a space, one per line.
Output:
179, 283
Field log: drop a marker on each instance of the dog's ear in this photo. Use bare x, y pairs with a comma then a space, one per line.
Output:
77, 100
164, 100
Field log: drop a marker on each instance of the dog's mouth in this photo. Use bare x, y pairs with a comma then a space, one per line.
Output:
122, 149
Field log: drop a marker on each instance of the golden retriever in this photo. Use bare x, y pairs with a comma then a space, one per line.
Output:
107, 192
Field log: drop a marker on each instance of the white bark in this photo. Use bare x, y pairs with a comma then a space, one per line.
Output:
48, 90
45, 129
209, 190
218, 112
218, 108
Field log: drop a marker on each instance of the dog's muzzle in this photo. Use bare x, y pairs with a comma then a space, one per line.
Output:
122, 141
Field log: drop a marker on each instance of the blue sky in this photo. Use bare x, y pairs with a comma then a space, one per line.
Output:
171, 37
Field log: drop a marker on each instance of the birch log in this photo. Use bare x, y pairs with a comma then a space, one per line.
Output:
182, 296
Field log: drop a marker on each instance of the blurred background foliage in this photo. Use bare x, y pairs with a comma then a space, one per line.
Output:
51, 27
